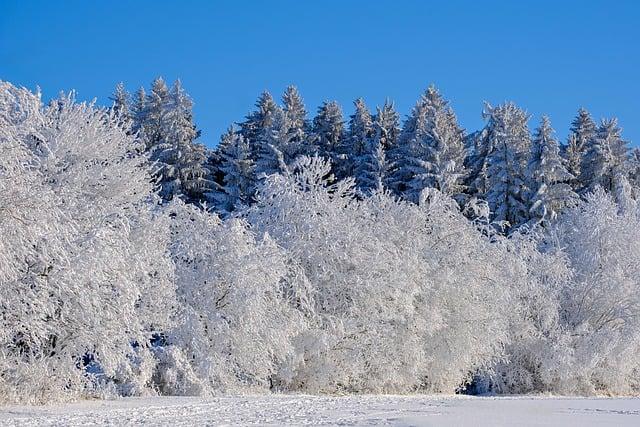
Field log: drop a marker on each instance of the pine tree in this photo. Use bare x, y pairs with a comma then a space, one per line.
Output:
547, 177
297, 125
121, 103
273, 143
237, 168
508, 136
138, 111
431, 152
401, 156
257, 121
182, 160
328, 132
582, 131
356, 142
371, 167
442, 166
606, 161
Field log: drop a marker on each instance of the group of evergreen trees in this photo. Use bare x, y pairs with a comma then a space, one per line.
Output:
523, 178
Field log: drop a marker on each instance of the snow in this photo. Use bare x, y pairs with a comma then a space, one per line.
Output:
321, 410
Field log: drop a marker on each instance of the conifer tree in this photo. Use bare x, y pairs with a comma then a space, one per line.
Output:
371, 166
509, 139
237, 168
328, 132
606, 162
431, 150
547, 176
121, 103
583, 130
356, 141
258, 120
297, 125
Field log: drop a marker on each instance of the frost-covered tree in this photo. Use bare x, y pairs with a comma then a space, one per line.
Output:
586, 328
181, 160
583, 130
328, 132
371, 166
86, 278
258, 120
357, 138
121, 102
394, 308
237, 168
242, 303
507, 142
273, 143
605, 163
297, 125
548, 179
431, 152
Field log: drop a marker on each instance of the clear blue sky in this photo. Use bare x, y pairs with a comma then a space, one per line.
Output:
548, 56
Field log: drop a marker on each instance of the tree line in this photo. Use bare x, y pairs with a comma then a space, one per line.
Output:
523, 177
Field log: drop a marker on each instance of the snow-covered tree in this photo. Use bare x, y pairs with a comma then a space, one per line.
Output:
297, 125
582, 132
328, 132
371, 166
88, 280
587, 331
180, 159
237, 168
507, 140
356, 142
430, 152
242, 304
258, 120
121, 102
405, 297
605, 163
273, 143
547, 178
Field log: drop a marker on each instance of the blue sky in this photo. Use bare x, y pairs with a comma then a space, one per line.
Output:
548, 56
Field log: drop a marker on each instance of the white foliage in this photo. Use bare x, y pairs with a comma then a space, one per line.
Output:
408, 296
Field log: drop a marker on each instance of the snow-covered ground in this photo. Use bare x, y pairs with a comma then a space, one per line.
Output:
350, 410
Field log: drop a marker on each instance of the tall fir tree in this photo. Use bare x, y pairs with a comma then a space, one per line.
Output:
121, 103
430, 152
273, 142
371, 166
328, 132
356, 141
509, 141
182, 160
237, 169
547, 177
255, 123
582, 132
606, 162
297, 125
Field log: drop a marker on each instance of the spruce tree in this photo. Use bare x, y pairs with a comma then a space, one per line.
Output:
547, 177
121, 103
237, 168
371, 167
257, 121
182, 160
509, 139
357, 139
582, 132
606, 161
297, 125
328, 132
